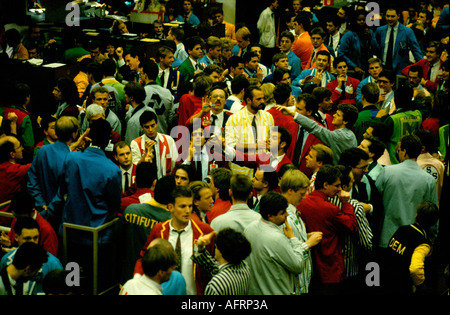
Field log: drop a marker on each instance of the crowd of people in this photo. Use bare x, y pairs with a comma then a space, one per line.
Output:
279, 163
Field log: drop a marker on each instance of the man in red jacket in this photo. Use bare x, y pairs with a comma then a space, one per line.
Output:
430, 66
321, 215
182, 232
343, 87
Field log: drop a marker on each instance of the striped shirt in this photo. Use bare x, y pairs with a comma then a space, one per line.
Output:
226, 279
239, 130
355, 249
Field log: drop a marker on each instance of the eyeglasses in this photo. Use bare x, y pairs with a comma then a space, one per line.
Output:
218, 96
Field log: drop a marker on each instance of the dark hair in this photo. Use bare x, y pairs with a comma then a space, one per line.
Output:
321, 93
278, 75
284, 168
25, 222
234, 61
164, 188
145, 175
241, 187
30, 254
96, 70
350, 113
288, 35
233, 246
390, 75
20, 93
249, 55
271, 204
324, 53
379, 130
239, 83
193, 41
55, 283
412, 145
100, 132
304, 18
46, 121
150, 68
249, 92
377, 147
345, 174
317, 31
282, 93
135, 90
22, 203
338, 60
219, 86
147, 116
310, 102
416, 68
403, 97
285, 136
427, 214
202, 84
5, 150
68, 90
188, 168
109, 67
270, 177
426, 139
351, 157
180, 191
327, 174
221, 178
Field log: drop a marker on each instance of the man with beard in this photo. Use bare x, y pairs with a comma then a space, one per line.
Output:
248, 129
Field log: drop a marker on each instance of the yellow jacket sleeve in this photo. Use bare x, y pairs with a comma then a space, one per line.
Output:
417, 266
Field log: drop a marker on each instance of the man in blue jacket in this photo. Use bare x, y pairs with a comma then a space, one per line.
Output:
394, 48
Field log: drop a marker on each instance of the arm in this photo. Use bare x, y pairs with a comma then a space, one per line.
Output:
417, 266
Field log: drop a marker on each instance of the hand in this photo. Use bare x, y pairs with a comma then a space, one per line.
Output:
5, 240
358, 70
341, 81
284, 110
206, 105
318, 78
344, 196
259, 74
288, 230
119, 52
307, 79
82, 142
381, 113
205, 240
314, 238
12, 117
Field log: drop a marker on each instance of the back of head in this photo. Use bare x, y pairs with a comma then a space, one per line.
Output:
30, 254
100, 133
324, 153
403, 97
65, 127
221, 178
145, 175
293, 179
326, 174
94, 110
55, 283
371, 92
22, 203
427, 214
271, 204
233, 246
158, 257
241, 187
412, 145
150, 68
164, 188
135, 90
350, 113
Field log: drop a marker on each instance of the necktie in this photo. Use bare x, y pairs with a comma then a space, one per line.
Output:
298, 146
390, 49
178, 249
343, 91
254, 129
214, 117
162, 78
198, 168
127, 184
312, 58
